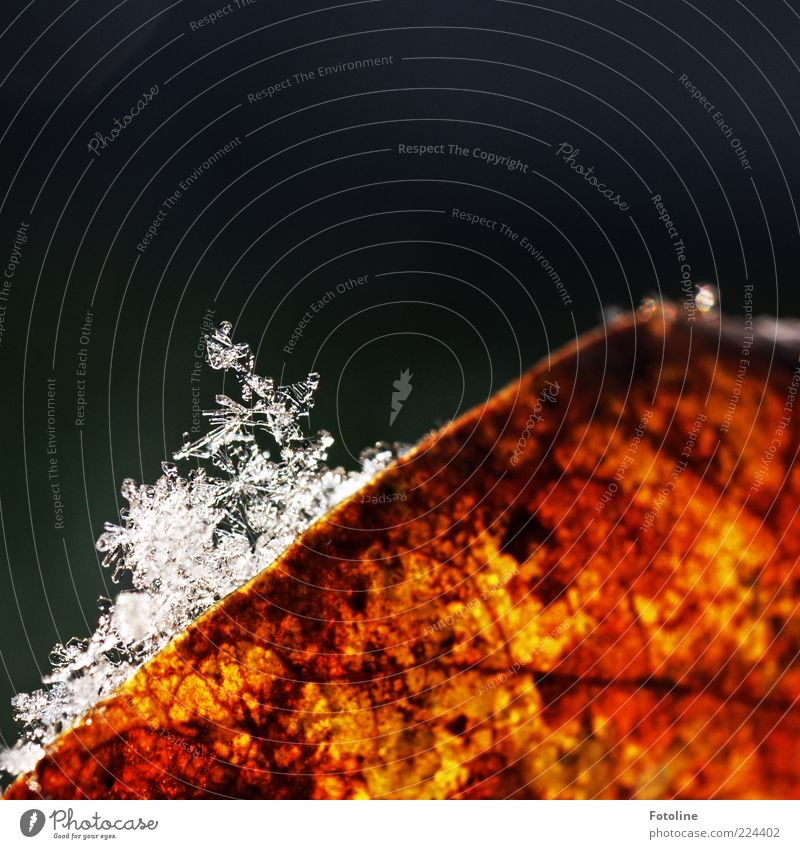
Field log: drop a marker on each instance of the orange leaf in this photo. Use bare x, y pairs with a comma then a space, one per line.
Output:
585, 588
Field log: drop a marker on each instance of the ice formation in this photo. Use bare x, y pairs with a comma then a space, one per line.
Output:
188, 541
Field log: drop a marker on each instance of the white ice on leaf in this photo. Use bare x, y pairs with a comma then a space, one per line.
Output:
186, 542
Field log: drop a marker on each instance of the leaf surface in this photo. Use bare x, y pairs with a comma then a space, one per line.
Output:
585, 588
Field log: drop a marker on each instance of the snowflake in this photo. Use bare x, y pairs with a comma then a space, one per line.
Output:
186, 542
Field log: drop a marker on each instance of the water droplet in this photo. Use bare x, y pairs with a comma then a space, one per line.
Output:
706, 298
646, 308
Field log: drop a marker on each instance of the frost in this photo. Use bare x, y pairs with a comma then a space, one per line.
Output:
186, 542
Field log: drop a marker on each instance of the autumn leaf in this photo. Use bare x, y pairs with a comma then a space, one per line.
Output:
585, 588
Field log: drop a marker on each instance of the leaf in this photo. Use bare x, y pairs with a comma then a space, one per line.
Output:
586, 588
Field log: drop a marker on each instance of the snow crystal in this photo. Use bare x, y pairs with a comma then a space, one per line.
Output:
186, 542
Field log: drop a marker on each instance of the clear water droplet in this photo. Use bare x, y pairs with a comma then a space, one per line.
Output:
706, 297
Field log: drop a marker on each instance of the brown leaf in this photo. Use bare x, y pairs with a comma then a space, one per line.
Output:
611, 611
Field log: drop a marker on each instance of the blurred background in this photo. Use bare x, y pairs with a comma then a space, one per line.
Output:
452, 189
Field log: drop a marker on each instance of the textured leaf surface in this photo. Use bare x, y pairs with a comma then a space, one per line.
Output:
585, 588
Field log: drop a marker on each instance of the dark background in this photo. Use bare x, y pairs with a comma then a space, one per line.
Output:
319, 193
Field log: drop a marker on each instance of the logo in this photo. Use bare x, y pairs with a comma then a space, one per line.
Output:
403, 389
31, 822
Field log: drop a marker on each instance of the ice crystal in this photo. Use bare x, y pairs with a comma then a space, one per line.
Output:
186, 542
